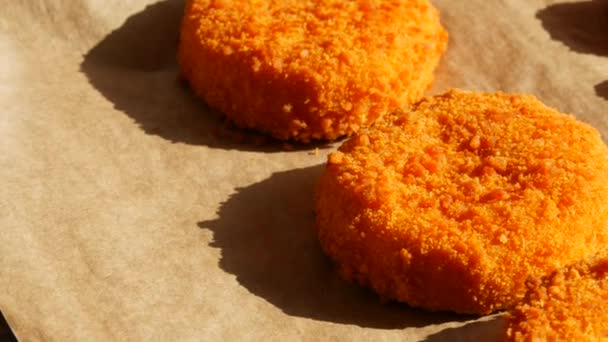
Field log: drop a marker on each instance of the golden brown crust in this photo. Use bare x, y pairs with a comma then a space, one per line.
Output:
569, 305
452, 204
303, 69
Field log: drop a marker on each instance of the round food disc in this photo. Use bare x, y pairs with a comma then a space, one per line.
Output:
453, 203
303, 69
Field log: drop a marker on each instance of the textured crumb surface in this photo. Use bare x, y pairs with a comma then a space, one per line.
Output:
451, 204
303, 69
569, 305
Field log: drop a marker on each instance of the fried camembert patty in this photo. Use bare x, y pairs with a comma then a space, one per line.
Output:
453, 203
309, 70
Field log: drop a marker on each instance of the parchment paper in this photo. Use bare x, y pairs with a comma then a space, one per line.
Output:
125, 215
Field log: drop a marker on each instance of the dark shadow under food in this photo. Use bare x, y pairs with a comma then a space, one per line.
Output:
266, 235
602, 89
6, 334
582, 26
135, 68
487, 331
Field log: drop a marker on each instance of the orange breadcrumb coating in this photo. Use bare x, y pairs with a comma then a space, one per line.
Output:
570, 305
452, 204
304, 69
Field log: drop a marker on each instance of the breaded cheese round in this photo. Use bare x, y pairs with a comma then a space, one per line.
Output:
570, 305
454, 202
304, 69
